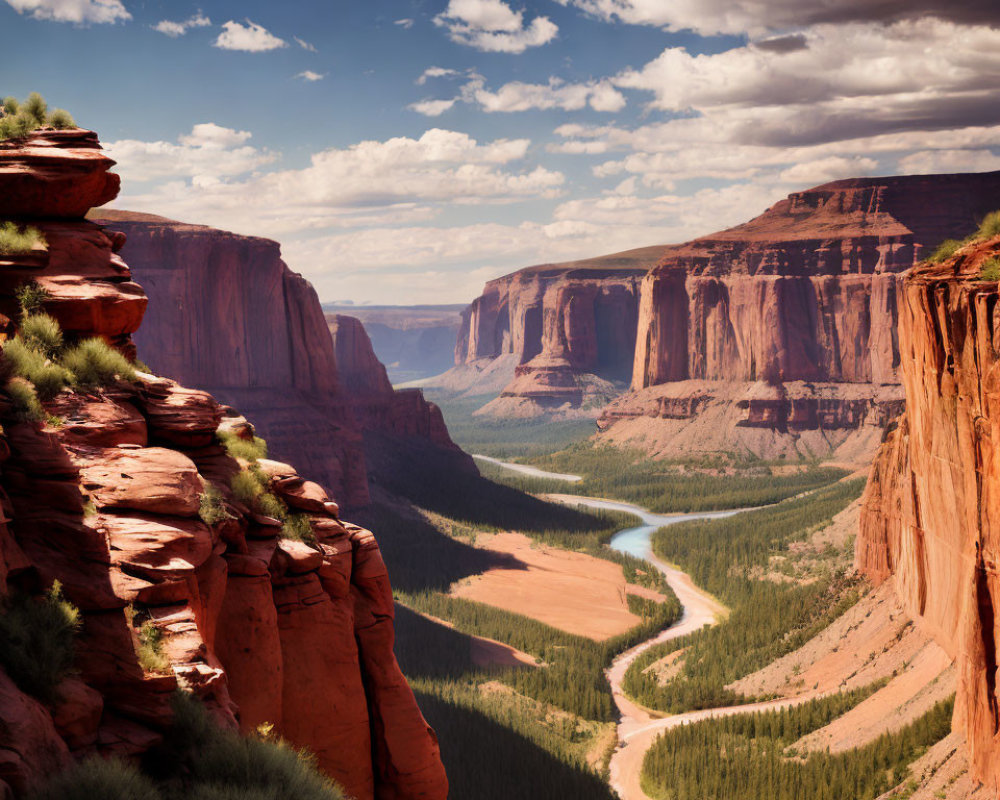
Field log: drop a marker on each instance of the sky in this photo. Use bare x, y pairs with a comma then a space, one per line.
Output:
407, 151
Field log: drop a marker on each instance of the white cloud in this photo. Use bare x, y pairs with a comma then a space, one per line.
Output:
406, 24
82, 12
931, 161
433, 108
518, 96
436, 72
175, 29
494, 27
304, 44
310, 76
824, 170
757, 17
208, 153
249, 38
372, 182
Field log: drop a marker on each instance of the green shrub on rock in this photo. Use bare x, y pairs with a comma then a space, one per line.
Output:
18, 241
94, 363
99, 779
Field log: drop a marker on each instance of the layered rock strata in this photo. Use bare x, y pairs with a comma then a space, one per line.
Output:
931, 510
806, 292
106, 499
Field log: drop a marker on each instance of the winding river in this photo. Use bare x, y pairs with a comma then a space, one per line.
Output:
639, 727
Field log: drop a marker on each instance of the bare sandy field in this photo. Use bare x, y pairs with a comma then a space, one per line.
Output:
574, 592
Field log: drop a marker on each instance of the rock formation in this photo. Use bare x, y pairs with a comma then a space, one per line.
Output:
106, 500
553, 327
228, 316
931, 510
788, 321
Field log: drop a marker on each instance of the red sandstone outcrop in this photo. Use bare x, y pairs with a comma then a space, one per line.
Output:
376, 405
261, 627
931, 511
557, 323
806, 292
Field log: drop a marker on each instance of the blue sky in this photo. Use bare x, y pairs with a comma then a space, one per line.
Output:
405, 152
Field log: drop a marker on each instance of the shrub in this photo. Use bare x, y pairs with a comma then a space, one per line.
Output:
47, 377
251, 488
37, 636
990, 270
36, 106
17, 126
212, 508
61, 119
99, 779
11, 105
42, 333
298, 527
30, 296
24, 401
150, 652
16, 241
945, 250
221, 763
990, 226
247, 449
94, 363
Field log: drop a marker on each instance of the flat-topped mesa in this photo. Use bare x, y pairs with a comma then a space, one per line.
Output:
803, 296
931, 511
807, 289
182, 574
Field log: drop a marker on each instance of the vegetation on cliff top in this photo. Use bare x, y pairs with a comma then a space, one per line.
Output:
18, 240
18, 119
988, 229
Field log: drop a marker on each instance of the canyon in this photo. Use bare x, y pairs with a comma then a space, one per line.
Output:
226, 314
775, 337
931, 509
106, 499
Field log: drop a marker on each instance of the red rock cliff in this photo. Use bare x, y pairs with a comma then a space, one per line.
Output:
261, 627
227, 315
931, 511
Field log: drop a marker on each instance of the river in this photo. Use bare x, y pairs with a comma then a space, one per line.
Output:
638, 727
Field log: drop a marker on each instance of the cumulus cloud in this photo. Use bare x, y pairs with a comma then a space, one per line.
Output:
82, 12
518, 96
436, 72
175, 29
926, 162
406, 24
311, 77
304, 44
710, 17
249, 38
494, 27
208, 153
373, 181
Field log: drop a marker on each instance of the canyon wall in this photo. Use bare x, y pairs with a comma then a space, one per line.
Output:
106, 498
788, 322
554, 325
931, 510
227, 315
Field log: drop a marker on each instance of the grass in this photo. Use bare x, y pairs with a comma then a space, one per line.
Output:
30, 297
37, 640
94, 363
945, 250
298, 528
46, 376
990, 226
990, 269
42, 333
150, 652
21, 118
212, 507
16, 240
198, 761
25, 405
246, 449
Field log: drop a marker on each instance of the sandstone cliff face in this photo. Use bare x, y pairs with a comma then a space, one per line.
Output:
804, 294
261, 627
931, 513
227, 315
555, 324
